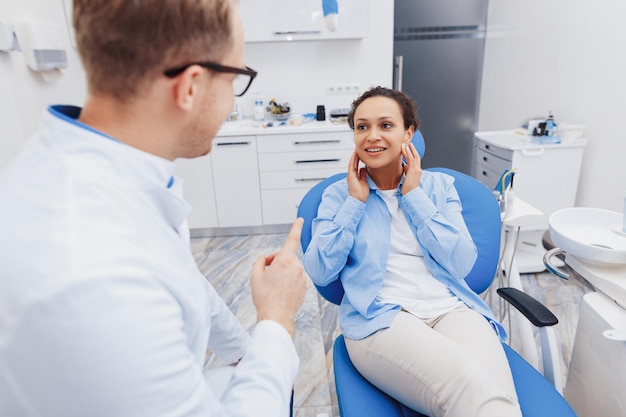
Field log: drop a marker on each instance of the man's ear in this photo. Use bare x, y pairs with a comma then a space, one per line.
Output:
186, 87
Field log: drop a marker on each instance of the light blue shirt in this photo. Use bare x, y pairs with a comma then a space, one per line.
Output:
350, 241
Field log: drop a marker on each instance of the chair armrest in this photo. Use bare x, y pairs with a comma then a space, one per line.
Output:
533, 310
540, 316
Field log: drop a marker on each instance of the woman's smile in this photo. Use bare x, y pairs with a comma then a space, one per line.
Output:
375, 150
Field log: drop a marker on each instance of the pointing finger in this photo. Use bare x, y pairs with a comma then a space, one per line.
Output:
292, 242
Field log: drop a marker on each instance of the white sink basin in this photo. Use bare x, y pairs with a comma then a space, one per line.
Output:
591, 234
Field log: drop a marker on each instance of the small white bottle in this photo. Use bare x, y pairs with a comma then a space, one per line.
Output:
259, 108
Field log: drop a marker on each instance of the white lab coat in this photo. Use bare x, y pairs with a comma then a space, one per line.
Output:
103, 311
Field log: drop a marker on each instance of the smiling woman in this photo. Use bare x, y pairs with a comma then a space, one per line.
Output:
395, 236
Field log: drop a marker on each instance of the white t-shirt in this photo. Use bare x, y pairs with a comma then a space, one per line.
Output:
408, 282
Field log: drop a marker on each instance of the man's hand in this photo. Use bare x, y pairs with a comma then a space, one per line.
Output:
278, 282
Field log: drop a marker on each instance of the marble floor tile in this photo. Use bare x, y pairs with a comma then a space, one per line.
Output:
563, 298
226, 262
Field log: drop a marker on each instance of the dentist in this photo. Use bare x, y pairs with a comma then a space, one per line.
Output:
103, 311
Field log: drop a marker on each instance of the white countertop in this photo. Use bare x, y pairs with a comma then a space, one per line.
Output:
519, 213
251, 127
513, 139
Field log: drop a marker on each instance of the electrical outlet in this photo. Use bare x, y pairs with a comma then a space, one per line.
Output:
342, 89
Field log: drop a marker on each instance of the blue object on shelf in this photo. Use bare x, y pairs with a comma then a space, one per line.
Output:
545, 140
506, 180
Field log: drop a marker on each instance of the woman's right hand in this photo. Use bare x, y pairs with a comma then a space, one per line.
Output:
357, 179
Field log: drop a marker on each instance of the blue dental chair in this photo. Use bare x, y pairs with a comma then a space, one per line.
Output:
356, 396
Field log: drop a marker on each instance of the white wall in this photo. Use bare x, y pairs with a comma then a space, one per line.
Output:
295, 72
560, 55
564, 56
23, 93
299, 72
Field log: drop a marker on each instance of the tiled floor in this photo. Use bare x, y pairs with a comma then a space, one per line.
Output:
226, 262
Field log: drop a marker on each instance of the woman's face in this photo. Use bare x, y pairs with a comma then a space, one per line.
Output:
379, 132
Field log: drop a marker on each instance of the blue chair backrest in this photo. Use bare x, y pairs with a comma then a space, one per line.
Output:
481, 213
307, 209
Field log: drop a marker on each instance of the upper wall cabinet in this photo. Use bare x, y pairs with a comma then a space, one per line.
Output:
299, 20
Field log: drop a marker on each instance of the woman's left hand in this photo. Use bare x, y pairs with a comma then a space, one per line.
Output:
412, 168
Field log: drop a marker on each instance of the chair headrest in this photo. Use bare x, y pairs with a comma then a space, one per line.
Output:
418, 142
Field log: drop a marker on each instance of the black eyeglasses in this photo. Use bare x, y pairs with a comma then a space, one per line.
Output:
241, 83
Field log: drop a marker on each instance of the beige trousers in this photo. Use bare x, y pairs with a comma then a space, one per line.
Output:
452, 365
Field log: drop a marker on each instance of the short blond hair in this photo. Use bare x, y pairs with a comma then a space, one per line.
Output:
125, 44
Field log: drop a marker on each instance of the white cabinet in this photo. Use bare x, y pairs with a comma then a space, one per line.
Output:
546, 177
256, 177
291, 20
198, 190
290, 164
236, 179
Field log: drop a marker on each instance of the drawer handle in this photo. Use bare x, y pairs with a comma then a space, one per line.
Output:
298, 32
533, 152
309, 142
485, 158
485, 174
232, 143
309, 179
311, 161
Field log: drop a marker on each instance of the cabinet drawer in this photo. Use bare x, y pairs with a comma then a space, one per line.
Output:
296, 178
337, 159
491, 161
281, 206
487, 176
306, 142
494, 150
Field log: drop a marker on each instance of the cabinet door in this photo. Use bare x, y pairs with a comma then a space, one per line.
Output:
198, 190
547, 177
291, 20
236, 178
281, 206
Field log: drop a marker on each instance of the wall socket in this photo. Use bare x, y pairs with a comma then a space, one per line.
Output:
342, 89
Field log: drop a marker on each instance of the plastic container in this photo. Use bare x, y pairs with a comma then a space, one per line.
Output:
550, 126
259, 108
